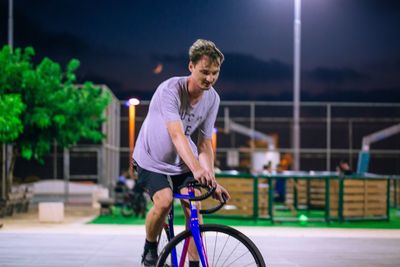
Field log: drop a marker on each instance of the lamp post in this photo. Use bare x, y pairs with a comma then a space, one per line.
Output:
296, 85
214, 140
5, 149
132, 103
10, 24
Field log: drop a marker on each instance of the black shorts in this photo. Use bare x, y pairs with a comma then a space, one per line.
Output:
152, 182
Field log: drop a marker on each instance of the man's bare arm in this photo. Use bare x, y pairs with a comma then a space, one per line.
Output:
175, 130
206, 153
206, 158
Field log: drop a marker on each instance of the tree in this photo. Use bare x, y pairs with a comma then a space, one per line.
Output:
42, 103
11, 107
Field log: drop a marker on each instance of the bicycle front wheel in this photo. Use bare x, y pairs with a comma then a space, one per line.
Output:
224, 246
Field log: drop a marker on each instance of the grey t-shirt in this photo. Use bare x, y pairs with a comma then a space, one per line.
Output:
154, 150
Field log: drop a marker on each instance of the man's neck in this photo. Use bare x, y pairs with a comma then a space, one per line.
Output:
194, 93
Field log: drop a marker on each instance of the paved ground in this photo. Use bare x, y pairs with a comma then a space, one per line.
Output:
26, 242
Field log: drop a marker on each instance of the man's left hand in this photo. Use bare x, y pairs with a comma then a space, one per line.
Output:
221, 193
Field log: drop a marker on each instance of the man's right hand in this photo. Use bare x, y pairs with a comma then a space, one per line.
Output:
205, 177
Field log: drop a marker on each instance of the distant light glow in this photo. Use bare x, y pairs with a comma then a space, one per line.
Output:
158, 69
133, 102
303, 219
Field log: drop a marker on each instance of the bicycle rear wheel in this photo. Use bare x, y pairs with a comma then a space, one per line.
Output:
224, 246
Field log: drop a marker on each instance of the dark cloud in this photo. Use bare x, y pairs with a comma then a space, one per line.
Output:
177, 62
29, 33
349, 95
61, 45
121, 46
239, 68
100, 79
354, 95
336, 76
247, 68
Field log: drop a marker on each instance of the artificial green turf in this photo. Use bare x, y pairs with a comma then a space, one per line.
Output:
394, 222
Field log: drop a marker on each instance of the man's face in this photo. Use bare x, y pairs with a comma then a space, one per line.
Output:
204, 73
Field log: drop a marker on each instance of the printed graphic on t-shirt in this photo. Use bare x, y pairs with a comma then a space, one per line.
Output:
190, 122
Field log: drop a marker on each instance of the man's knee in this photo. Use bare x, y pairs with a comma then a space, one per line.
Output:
163, 200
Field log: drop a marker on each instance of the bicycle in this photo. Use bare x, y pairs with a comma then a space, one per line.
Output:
134, 202
215, 244
130, 201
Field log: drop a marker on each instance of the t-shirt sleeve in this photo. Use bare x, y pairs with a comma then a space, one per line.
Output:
169, 104
207, 126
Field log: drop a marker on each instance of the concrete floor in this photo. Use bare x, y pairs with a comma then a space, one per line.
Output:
26, 242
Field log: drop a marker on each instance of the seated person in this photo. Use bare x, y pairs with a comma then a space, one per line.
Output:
344, 168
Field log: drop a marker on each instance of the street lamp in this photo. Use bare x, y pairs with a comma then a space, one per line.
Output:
214, 140
132, 103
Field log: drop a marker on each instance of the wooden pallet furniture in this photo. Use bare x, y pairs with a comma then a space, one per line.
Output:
249, 196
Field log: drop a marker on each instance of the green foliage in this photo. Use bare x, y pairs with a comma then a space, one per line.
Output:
51, 105
11, 108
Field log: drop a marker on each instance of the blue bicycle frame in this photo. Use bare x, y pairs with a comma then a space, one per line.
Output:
194, 227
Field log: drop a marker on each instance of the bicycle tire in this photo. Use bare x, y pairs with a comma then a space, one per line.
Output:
212, 231
163, 239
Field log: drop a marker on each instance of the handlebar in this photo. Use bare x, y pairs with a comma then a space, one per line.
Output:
214, 209
207, 194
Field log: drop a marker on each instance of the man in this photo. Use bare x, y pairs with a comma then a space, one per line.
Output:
165, 154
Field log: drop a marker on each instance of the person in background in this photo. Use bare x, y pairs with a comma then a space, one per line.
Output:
344, 168
122, 178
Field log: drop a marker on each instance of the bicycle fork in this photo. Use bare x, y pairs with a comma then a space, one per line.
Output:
195, 228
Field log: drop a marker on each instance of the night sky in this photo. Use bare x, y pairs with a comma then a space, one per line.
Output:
350, 48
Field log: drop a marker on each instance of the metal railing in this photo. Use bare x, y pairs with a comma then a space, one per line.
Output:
330, 131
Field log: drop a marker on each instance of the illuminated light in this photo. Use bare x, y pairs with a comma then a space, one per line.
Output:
158, 69
303, 219
133, 102
214, 140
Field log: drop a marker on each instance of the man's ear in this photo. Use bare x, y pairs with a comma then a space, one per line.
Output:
190, 66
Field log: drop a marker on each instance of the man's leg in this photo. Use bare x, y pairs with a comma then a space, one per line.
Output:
156, 216
162, 203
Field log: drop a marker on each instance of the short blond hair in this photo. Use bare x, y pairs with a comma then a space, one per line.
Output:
205, 48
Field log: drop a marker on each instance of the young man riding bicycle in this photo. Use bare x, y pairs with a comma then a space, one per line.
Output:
165, 154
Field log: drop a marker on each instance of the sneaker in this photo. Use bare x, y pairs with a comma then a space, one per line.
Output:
149, 257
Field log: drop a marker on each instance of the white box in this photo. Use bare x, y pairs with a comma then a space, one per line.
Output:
51, 212
98, 194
